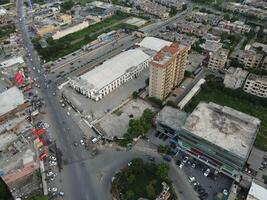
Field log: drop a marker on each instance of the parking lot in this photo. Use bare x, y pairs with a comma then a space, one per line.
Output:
210, 183
203, 179
95, 110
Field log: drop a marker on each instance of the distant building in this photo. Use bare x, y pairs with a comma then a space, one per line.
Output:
256, 192
264, 63
234, 77
237, 26
202, 17
105, 78
248, 57
218, 136
167, 70
218, 59
256, 85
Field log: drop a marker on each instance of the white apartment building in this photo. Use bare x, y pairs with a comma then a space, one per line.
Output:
234, 77
256, 85
105, 78
218, 59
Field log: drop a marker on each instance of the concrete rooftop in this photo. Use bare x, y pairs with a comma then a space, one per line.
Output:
227, 128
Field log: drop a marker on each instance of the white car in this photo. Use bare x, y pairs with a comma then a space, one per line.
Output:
52, 189
53, 158
206, 173
181, 165
191, 179
50, 173
82, 142
52, 163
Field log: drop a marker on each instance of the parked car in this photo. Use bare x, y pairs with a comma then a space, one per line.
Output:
203, 196
178, 162
161, 136
165, 138
157, 134
191, 179
181, 165
151, 158
167, 158
185, 159
206, 173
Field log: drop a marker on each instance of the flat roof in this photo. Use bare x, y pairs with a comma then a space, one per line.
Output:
171, 117
113, 68
257, 192
10, 99
12, 61
223, 126
153, 43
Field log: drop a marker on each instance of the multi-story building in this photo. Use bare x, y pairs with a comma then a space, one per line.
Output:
234, 77
248, 57
167, 70
201, 17
218, 59
237, 26
256, 85
114, 72
264, 63
216, 135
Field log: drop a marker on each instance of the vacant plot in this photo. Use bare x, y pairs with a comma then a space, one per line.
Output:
237, 99
116, 123
74, 41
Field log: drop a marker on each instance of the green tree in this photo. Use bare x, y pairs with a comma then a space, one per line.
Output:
135, 94
67, 5
163, 170
130, 195
131, 178
150, 190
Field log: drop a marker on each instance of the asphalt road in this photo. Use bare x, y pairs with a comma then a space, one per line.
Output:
79, 178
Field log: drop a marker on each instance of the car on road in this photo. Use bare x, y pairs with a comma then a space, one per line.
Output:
207, 172
203, 196
52, 163
61, 194
53, 158
193, 165
75, 144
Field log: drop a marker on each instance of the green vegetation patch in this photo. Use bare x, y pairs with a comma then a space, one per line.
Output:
38, 197
214, 91
230, 41
74, 41
5, 31
141, 125
4, 191
140, 179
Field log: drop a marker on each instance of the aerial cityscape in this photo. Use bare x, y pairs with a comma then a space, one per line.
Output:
133, 100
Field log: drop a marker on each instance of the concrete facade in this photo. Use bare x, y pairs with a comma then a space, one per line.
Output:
167, 70
248, 58
256, 85
235, 77
218, 59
